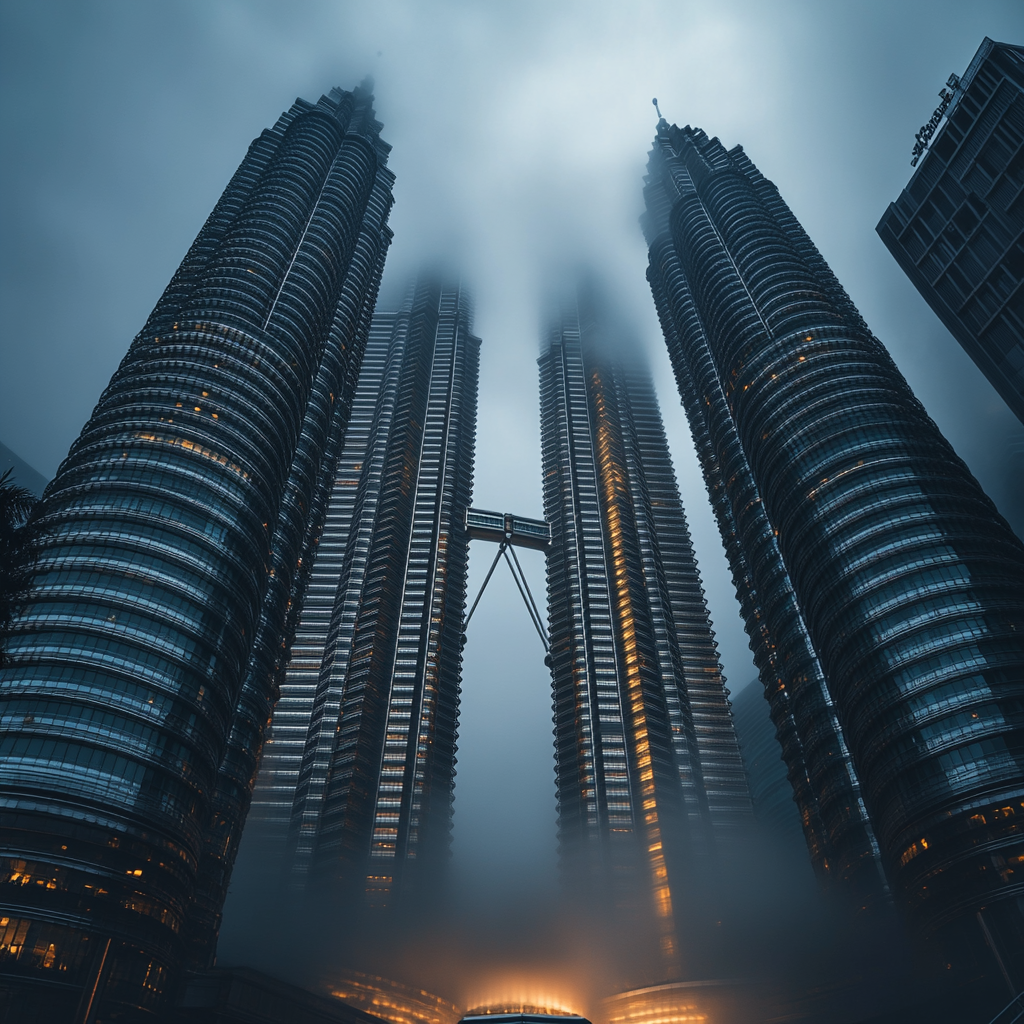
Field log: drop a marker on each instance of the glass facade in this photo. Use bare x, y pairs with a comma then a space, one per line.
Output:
770, 790
649, 777
356, 785
173, 542
882, 592
957, 229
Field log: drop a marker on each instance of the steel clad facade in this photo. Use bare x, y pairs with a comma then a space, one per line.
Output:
957, 229
357, 782
649, 776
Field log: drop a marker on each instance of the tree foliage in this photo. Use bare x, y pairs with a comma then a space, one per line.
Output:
17, 551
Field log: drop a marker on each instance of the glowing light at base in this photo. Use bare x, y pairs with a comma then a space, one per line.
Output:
520, 995
519, 1008
679, 1003
542, 1008
392, 1001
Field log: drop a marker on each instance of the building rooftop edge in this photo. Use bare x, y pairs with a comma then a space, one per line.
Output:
981, 55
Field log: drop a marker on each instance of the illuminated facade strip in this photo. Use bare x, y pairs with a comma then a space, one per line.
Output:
642, 720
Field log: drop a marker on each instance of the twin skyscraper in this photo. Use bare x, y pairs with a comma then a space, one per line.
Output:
262, 531
355, 794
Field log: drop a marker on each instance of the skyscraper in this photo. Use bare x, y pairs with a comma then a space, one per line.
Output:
356, 786
173, 539
882, 592
649, 776
957, 229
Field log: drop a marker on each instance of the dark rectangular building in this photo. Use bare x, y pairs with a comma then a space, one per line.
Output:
22, 474
957, 229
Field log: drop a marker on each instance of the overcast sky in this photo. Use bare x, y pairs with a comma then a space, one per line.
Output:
520, 133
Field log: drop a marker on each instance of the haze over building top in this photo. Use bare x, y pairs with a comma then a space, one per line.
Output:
266, 520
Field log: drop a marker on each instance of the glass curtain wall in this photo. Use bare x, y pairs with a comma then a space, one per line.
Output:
356, 787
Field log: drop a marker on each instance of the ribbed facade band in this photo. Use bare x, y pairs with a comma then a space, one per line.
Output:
175, 534
882, 592
355, 791
649, 777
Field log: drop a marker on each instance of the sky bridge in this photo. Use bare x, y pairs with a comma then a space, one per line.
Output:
504, 527
509, 532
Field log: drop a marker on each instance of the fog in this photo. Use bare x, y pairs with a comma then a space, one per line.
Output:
520, 133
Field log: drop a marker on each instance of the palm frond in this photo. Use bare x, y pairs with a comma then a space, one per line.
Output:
16, 503
17, 551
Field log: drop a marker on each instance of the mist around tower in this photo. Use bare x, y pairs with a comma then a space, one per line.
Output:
449, 599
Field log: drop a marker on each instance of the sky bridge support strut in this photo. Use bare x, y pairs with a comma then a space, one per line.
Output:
509, 532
